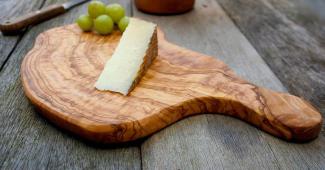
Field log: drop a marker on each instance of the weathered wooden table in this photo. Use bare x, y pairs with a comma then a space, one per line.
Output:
278, 44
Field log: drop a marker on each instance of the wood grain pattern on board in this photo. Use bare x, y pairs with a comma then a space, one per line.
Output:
58, 76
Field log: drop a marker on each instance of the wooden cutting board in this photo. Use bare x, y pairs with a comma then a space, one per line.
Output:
59, 73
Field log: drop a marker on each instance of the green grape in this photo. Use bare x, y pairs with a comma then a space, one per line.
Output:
96, 8
85, 22
115, 11
104, 24
123, 23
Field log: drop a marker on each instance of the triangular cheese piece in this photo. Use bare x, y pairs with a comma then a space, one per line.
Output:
137, 48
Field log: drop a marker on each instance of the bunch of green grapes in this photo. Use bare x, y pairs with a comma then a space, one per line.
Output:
102, 18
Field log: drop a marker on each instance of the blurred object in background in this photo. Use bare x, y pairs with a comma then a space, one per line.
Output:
164, 6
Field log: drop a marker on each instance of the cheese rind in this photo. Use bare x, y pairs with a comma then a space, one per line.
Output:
132, 57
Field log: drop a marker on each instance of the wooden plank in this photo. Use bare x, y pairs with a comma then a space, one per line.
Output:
28, 141
305, 13
289, 35
9, 9
214, 141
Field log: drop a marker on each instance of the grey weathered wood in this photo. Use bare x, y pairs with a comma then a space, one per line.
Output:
13, 8
290, 36
209, 142
28, 141
305, 13
214, 141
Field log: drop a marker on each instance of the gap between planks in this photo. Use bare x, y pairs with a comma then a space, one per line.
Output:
19, 38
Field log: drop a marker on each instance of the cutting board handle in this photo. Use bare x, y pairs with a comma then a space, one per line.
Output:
280, 114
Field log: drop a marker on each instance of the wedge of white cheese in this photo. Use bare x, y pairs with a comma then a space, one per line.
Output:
134, 54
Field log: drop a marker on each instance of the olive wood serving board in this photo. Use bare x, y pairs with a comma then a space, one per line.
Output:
59, 73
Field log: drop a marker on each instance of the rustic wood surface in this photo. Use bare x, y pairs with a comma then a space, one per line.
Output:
59, 73
213, 141
13, 8
28, 141
290, 36
218, 141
